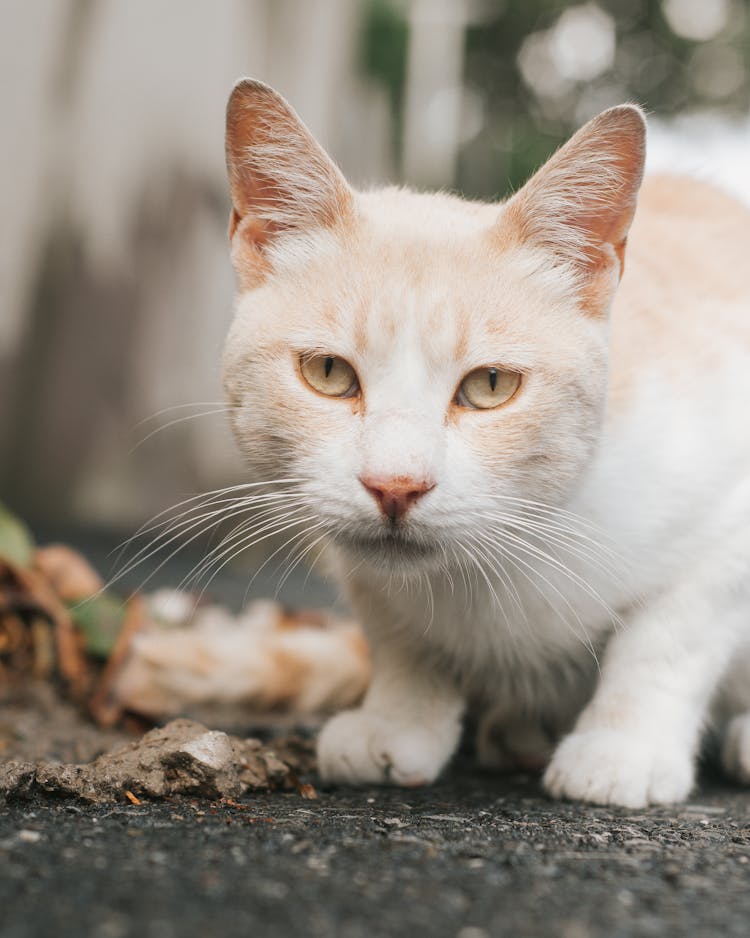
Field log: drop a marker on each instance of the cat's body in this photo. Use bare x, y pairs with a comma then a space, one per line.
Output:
574, 557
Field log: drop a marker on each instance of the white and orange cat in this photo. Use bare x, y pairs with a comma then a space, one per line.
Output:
524, 431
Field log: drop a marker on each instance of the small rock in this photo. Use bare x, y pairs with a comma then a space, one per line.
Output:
183, 757
16, 777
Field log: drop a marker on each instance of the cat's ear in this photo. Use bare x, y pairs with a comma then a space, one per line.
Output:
580, 204
281, 179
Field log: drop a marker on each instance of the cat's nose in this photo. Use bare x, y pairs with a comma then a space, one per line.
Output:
396, 495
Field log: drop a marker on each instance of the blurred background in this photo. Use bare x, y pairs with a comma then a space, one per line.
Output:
115, 284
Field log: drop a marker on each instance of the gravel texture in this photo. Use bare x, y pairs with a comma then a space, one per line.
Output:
475, 855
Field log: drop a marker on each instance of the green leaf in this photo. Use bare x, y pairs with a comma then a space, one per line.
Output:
16, 543
99, 619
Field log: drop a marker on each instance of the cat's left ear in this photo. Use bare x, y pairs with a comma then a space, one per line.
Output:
580, 204
281, 179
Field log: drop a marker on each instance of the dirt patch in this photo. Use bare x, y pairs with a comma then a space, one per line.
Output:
50, 749
38, 725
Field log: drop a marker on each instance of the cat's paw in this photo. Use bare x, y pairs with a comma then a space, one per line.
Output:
606, 766
512, 746
363, 747
736, 750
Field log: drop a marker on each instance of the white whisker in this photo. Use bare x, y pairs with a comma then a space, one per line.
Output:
204, 498
268, 559
519, 563
481, 570
270, 531
176, 532
300, 557
173, 407
551, 513
505, 578
172, 423
544, 556
231, 541
555, 535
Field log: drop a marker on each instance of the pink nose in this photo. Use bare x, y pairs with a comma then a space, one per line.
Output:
396, 495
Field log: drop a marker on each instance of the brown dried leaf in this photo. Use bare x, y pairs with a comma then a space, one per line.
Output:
69, 574
26, 597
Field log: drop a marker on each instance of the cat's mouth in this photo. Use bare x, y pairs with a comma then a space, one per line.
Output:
392, 544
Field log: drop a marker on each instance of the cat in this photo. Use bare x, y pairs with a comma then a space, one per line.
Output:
522, 431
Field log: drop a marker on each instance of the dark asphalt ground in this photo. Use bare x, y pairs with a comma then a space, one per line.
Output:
472, 856
475, 855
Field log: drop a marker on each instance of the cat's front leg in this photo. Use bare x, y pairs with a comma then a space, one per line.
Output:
636, 742
405, 731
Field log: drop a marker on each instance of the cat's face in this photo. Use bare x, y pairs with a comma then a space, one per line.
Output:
420, 363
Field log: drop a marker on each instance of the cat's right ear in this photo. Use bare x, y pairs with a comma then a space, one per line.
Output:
579, 206
281, 179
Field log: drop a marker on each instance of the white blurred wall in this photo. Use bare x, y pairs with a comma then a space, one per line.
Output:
113, 118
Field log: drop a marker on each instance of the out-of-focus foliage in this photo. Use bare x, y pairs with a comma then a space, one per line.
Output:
16, 543
99, 621
542, 68
385, 40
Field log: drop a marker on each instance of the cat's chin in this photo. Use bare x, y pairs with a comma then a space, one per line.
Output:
392, 551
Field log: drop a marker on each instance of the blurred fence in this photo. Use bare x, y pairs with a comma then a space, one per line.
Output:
115, 286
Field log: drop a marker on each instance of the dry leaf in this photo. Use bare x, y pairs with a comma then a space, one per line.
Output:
27, 603
69, 574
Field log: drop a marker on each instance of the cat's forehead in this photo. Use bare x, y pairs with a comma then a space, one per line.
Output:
445, 288
421, 274
431, 216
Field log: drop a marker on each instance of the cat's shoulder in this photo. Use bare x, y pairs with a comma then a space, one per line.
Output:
689, 238
672, 196
683, 302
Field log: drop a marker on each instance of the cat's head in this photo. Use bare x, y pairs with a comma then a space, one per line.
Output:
421, 363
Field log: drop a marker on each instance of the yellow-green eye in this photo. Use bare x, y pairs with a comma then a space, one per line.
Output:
485, 388
329, 375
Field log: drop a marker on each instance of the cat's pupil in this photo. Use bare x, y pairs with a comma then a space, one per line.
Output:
493, 378
329, 365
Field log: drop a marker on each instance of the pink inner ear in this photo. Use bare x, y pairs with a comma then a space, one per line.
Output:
610, 222
280, 178
257, 226
582, 201
234, 220
249, 119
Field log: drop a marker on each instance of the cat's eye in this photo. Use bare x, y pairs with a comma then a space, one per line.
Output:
485, 388
329, 375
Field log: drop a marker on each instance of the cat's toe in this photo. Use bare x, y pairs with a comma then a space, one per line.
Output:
612, 767
736, 750
361, 747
